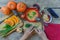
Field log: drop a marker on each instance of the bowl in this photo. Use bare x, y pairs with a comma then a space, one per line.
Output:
50, 19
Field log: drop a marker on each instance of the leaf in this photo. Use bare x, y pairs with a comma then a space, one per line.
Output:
29, 16
28, 25
33, 13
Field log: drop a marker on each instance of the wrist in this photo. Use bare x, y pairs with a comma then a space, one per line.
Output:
25, 36
44, 37
22, 39
41, 33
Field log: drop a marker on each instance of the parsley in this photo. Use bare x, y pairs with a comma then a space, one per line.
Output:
28, 25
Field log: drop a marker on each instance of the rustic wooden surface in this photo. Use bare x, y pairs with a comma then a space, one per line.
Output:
42, 3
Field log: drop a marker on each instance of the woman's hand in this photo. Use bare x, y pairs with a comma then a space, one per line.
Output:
38, 31
41, 33
27, 33
28, 30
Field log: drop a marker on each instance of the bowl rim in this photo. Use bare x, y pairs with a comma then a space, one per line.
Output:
49, 20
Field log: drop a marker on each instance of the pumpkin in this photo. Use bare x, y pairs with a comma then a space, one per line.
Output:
21, 7
5, 10
10, 22
31, 14
16, 18
12, 5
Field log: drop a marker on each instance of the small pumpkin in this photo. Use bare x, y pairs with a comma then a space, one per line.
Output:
21, 7
31, 14
16, 18
10, 22
13, 20
5, 10
12, 5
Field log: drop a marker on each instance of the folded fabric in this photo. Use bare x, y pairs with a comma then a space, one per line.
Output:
53, 31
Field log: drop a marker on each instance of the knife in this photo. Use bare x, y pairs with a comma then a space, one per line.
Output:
52, 12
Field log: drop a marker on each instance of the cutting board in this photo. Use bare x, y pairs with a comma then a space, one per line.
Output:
9, 31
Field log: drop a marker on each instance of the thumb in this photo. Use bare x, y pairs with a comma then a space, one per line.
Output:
36, 30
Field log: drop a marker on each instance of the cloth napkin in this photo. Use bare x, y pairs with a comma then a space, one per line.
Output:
53, 31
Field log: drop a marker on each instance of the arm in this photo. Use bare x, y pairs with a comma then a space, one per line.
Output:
24, 37
27, 33
41, 34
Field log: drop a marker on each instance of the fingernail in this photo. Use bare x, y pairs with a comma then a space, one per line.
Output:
38, 30
32, 28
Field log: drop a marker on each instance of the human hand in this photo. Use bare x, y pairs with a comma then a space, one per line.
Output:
41, 33
27, 33
28, 30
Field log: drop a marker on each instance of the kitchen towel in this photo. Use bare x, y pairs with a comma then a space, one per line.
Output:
53, 31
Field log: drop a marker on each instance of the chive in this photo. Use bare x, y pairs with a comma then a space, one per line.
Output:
33, 13
29, 16
28, 25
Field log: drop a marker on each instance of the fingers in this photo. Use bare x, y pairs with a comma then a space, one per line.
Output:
30, 28
39, 30
36, 30
31, 31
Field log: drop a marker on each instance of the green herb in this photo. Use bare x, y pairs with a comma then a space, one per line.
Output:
7, 29
28, 25
33, 13
29, 16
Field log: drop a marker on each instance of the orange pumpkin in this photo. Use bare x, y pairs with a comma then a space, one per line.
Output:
9, 21
21, 7
16, 18
12, 5
5, 10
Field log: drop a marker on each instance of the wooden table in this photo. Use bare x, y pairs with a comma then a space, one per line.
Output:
42, 3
